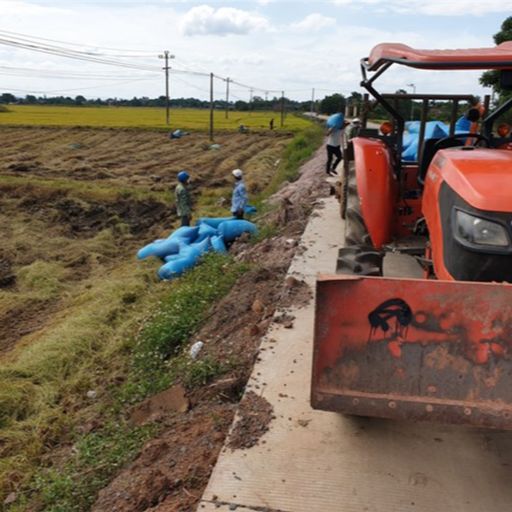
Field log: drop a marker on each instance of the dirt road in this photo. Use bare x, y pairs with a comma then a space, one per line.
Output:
305, 460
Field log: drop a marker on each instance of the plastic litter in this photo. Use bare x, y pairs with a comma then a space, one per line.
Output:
250, 209
195, 349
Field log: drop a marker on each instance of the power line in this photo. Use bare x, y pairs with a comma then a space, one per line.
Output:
63, 74
73, 89
18, 35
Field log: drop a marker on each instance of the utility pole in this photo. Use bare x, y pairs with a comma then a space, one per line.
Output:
266, 96
413, 86
166, 55
211, 107
282, 109
313, 101
227, 97
250, 99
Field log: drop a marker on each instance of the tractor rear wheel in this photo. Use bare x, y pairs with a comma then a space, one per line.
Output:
358, 256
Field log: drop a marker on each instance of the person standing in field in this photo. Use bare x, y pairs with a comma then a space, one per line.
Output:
334, 147
239, 197
183, 199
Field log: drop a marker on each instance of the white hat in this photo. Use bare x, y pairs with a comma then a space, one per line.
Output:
356, 120
237, 173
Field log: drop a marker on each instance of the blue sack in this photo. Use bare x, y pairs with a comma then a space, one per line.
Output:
214, 222
188, 232
335, 121
463, 125
232, 229
218, 244
189, 256
201, 247
205, 231
250, 209
172, 257
159, 248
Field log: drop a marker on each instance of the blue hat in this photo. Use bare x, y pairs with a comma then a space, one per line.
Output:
183, 176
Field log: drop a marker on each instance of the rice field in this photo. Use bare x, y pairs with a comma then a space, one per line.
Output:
145, 118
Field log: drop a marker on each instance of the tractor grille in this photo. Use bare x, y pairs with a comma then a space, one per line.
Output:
472, 264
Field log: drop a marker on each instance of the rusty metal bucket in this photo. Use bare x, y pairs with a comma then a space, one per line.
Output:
414, 349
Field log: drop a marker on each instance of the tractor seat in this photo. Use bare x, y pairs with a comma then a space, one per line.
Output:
429, 151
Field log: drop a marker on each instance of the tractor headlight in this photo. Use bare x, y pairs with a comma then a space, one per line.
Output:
475, 230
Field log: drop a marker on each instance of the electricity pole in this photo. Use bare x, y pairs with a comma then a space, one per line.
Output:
166, 55
282, 109
227, 97
211, 107
250, 99
313, 101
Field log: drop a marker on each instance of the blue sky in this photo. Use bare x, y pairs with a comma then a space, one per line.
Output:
268, 44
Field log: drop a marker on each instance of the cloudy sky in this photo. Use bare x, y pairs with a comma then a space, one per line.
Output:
271, 45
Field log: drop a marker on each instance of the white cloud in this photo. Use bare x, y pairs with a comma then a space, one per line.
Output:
314, 22
206, 20
433, 7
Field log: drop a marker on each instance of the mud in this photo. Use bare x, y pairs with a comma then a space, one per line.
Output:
254, 416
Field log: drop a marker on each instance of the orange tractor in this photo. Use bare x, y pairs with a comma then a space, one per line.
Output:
438, 347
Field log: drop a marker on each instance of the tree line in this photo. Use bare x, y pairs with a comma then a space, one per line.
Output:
328, 105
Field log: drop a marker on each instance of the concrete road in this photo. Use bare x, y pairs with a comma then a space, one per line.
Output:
318, 461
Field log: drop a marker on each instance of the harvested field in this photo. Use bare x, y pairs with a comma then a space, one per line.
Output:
76, 202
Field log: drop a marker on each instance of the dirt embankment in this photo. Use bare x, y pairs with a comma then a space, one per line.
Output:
171, 471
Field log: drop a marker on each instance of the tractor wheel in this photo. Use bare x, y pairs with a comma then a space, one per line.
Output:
358, 256
359, 260
355, 228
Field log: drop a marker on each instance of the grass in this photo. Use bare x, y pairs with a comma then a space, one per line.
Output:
49, 377
143, 117
302, 146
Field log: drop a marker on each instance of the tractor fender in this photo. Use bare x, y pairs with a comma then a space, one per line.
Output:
377, 188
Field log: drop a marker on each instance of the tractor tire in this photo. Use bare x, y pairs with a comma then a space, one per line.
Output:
358, 257
359, 260
355, 228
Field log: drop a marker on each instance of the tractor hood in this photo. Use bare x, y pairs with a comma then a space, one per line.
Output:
482, 177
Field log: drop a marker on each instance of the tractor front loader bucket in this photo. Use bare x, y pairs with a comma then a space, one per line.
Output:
414, 349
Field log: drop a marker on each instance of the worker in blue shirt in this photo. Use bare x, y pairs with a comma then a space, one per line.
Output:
239, 198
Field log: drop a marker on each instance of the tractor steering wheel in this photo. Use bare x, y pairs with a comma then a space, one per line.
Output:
450, 142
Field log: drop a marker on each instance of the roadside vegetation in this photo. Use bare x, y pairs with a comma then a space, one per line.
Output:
109, 335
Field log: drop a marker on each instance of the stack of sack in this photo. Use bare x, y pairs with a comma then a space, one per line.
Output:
184, 247
433, 130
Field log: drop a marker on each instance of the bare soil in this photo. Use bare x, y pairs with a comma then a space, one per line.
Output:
172, 470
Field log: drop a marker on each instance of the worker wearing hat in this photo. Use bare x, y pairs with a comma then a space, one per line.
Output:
354, 128
239, 198
183, 199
